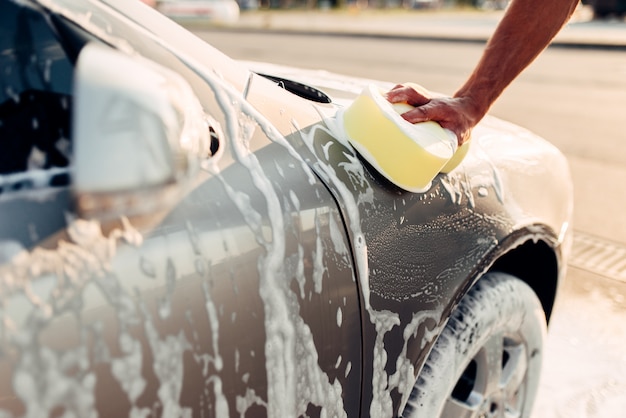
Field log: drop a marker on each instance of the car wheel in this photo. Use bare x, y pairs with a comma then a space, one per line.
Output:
487, 361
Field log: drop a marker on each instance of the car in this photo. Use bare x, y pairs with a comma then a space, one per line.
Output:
423, 4
491, 4
217, 11
603, 9
183, 234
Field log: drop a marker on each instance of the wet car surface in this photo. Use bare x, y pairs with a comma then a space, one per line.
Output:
182, 236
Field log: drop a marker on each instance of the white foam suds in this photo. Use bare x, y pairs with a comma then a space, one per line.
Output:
55, 283
250, 399
404, 377
348, 369
127, 369
336, 237
350, 205
318, 260
286, 333
221, 403
214, 322
339, 317
300, 277
168, 366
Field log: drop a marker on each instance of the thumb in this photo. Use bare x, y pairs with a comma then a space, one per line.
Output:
430, 112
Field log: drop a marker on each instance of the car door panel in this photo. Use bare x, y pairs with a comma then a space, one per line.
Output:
170, 311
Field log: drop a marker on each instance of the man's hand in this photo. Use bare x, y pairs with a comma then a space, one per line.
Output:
524, 31
457, 114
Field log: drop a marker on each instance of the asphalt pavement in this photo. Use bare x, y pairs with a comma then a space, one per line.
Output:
444, 24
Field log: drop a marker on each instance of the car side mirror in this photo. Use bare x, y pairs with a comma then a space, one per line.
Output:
137, 128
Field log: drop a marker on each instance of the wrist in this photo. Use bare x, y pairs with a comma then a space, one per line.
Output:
475, 107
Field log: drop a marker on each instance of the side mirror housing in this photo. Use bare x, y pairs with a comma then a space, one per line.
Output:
137, 126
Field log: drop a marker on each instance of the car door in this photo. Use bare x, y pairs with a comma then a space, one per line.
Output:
228, 290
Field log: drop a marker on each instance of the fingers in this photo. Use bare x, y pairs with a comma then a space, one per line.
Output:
418, 89
410, 93
444, 114
455, 114
397, 95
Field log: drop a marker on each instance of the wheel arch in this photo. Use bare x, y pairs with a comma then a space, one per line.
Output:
534, 256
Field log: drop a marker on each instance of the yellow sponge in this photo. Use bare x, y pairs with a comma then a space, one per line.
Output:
456, 159
408, 155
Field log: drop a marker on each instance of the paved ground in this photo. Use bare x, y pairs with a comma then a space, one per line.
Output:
584, 373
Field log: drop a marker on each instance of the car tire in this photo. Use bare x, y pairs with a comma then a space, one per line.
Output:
487, 360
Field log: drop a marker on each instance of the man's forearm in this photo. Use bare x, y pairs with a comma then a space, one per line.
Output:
526, 29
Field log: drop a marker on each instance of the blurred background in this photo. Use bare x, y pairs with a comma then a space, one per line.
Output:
227, 11
223, 9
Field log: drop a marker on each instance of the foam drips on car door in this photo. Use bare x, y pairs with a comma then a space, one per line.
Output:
285, 333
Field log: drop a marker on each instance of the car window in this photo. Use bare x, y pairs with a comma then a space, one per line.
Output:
35, 95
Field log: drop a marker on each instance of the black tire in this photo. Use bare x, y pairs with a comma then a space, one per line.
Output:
487, 361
